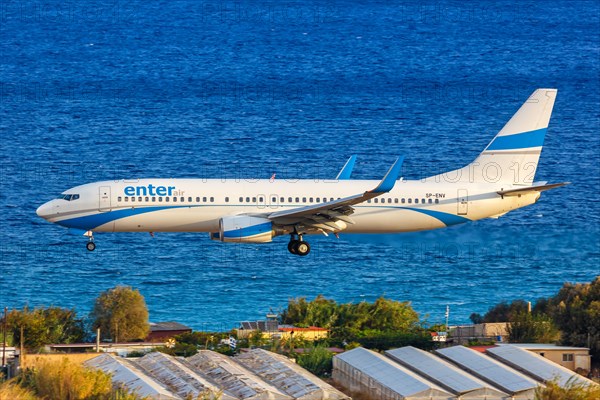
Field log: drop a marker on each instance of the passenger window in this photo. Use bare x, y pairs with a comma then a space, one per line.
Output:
310, 199
290, 200
396, 200
226, 199
140, 199
175, 199
368, 201
197, 199
376, 200
247, 199
389, 200
166, 199
282, 199
430, 201
318, 199
416, 201
409, 201
146, 199
160, 199
422, 201
126, 199
304, 199
297, 199
437, 201
154, 199
189, 199
331, 199
212, 199
204, 199
119, 198
254, 199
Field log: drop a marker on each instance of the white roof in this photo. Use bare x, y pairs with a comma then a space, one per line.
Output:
489, 369
443, 373
232, 377
287, 376
390, 374
543, 346
179, 378
131, 377
535, 365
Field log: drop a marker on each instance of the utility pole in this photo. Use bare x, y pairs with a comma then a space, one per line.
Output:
4, 337
22, 349
447, 316
98, 340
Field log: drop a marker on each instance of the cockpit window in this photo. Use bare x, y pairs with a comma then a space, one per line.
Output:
68, 197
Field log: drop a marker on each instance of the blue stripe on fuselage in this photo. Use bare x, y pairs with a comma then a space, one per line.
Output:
446, 218
90, 222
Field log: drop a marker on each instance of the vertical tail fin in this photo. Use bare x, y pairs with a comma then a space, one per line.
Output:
512, 156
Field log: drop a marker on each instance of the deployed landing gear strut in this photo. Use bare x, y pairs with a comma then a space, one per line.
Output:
90, 245
298, 246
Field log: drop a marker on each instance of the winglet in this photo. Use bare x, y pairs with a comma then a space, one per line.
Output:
347, 169
390, 178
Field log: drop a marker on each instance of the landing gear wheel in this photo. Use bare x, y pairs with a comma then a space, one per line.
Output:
292, 246
91, 246
302, 248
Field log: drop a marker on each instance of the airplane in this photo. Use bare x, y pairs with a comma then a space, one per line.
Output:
498, 181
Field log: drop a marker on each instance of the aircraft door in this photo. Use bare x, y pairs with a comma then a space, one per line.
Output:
261, 203
462, 200
104, 198
274, 201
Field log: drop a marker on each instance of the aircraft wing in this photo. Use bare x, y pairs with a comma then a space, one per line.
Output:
346, 171
327, 216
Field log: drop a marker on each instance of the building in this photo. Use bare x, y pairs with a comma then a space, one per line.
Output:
288, 376
369, 373
574, 358
486, 332
271, 329
255, 375
501, 372
161, 331
535, 365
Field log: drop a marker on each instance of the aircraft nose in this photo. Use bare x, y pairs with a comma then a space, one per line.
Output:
44, 210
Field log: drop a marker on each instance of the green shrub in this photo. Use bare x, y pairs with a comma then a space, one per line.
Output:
571, 391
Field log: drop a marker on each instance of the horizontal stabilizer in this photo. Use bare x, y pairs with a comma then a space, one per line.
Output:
525, 190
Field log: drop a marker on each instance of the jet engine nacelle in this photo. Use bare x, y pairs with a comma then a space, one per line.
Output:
244, 229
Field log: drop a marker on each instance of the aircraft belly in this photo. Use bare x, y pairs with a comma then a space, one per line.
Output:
390, 221
175, 220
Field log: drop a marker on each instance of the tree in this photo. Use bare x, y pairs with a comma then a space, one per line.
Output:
504, 312
121, 314
526, 327
42, 326
576, 311
317, 360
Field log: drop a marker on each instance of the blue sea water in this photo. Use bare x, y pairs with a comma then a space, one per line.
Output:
110, 90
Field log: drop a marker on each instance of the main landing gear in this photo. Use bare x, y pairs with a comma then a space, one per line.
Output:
298, 246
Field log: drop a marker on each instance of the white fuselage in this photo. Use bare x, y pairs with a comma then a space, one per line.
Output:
196, 205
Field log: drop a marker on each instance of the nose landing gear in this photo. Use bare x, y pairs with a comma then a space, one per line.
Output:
90, 245
298, 246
